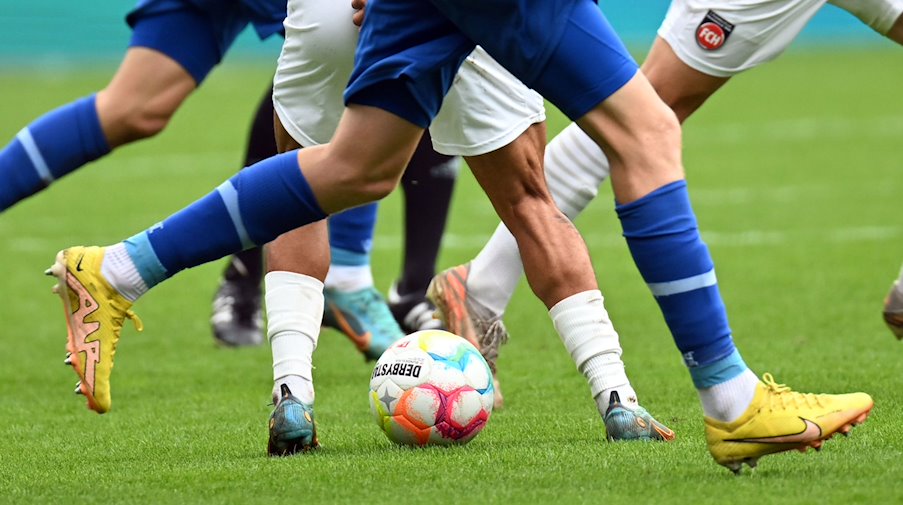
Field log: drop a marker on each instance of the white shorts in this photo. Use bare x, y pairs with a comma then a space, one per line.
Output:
725, 37
485, 109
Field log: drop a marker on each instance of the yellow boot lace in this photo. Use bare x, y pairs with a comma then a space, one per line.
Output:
782, 396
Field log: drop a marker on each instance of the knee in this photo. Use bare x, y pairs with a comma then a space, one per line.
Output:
661, 132
141, 121
130, 118
367, 183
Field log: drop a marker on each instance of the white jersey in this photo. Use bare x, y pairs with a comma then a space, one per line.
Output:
486, 108
725, 37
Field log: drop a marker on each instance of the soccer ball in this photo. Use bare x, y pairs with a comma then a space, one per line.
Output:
431, 387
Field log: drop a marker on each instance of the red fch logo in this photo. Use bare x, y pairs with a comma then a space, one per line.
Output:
710, 36
713, 31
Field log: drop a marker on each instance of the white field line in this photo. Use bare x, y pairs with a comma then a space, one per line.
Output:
795, 130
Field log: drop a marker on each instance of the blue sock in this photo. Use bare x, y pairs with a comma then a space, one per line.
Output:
664, 240
351, 235
252, 208
49, 148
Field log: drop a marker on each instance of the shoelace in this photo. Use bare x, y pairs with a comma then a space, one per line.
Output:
494, 336
130, 314
785, 395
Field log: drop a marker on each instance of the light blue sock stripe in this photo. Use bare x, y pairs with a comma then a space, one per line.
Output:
230, 198
683, 285
720, 371
141, 251
347, 258
34, 154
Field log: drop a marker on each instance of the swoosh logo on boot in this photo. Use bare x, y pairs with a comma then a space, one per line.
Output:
810, 432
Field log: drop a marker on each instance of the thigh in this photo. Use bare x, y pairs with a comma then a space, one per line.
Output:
485, 109
679, 85
149, 79
314, 67
722, 38
363, 162
195, 38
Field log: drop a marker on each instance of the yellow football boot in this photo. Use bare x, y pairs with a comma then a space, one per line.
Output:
779, 419
94, 316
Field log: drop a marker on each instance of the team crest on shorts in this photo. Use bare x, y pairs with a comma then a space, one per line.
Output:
713, 31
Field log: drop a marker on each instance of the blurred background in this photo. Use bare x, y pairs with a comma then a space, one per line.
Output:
795, 176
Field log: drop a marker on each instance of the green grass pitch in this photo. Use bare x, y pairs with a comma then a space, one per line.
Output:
795, 172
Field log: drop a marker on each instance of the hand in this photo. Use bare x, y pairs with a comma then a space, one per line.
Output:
360, 8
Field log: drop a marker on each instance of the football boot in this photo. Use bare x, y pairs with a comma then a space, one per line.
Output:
465, 317
95, 313
780, 419
291, 426
413, 311
363, 317
623, 424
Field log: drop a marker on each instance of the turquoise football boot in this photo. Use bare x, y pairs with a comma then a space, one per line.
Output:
363, 316
292, 427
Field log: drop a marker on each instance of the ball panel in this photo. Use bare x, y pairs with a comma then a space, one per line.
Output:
400, 430
421, 405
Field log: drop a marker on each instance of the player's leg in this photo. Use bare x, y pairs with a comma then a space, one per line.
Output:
254, 207
137, 103
485, 117
297, 263
362, 164
353, 305
237, 319
642, 138
428, 183
158, 72
513, 179
316, 61
575, 167
660, 227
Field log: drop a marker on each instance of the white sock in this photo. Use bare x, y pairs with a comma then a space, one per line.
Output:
495, 271
575, 167
301, 388
590, 338
120, 271
728, 400
349, 278
294, 305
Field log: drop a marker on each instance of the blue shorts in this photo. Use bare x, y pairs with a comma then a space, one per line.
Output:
410, 50
197, 33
